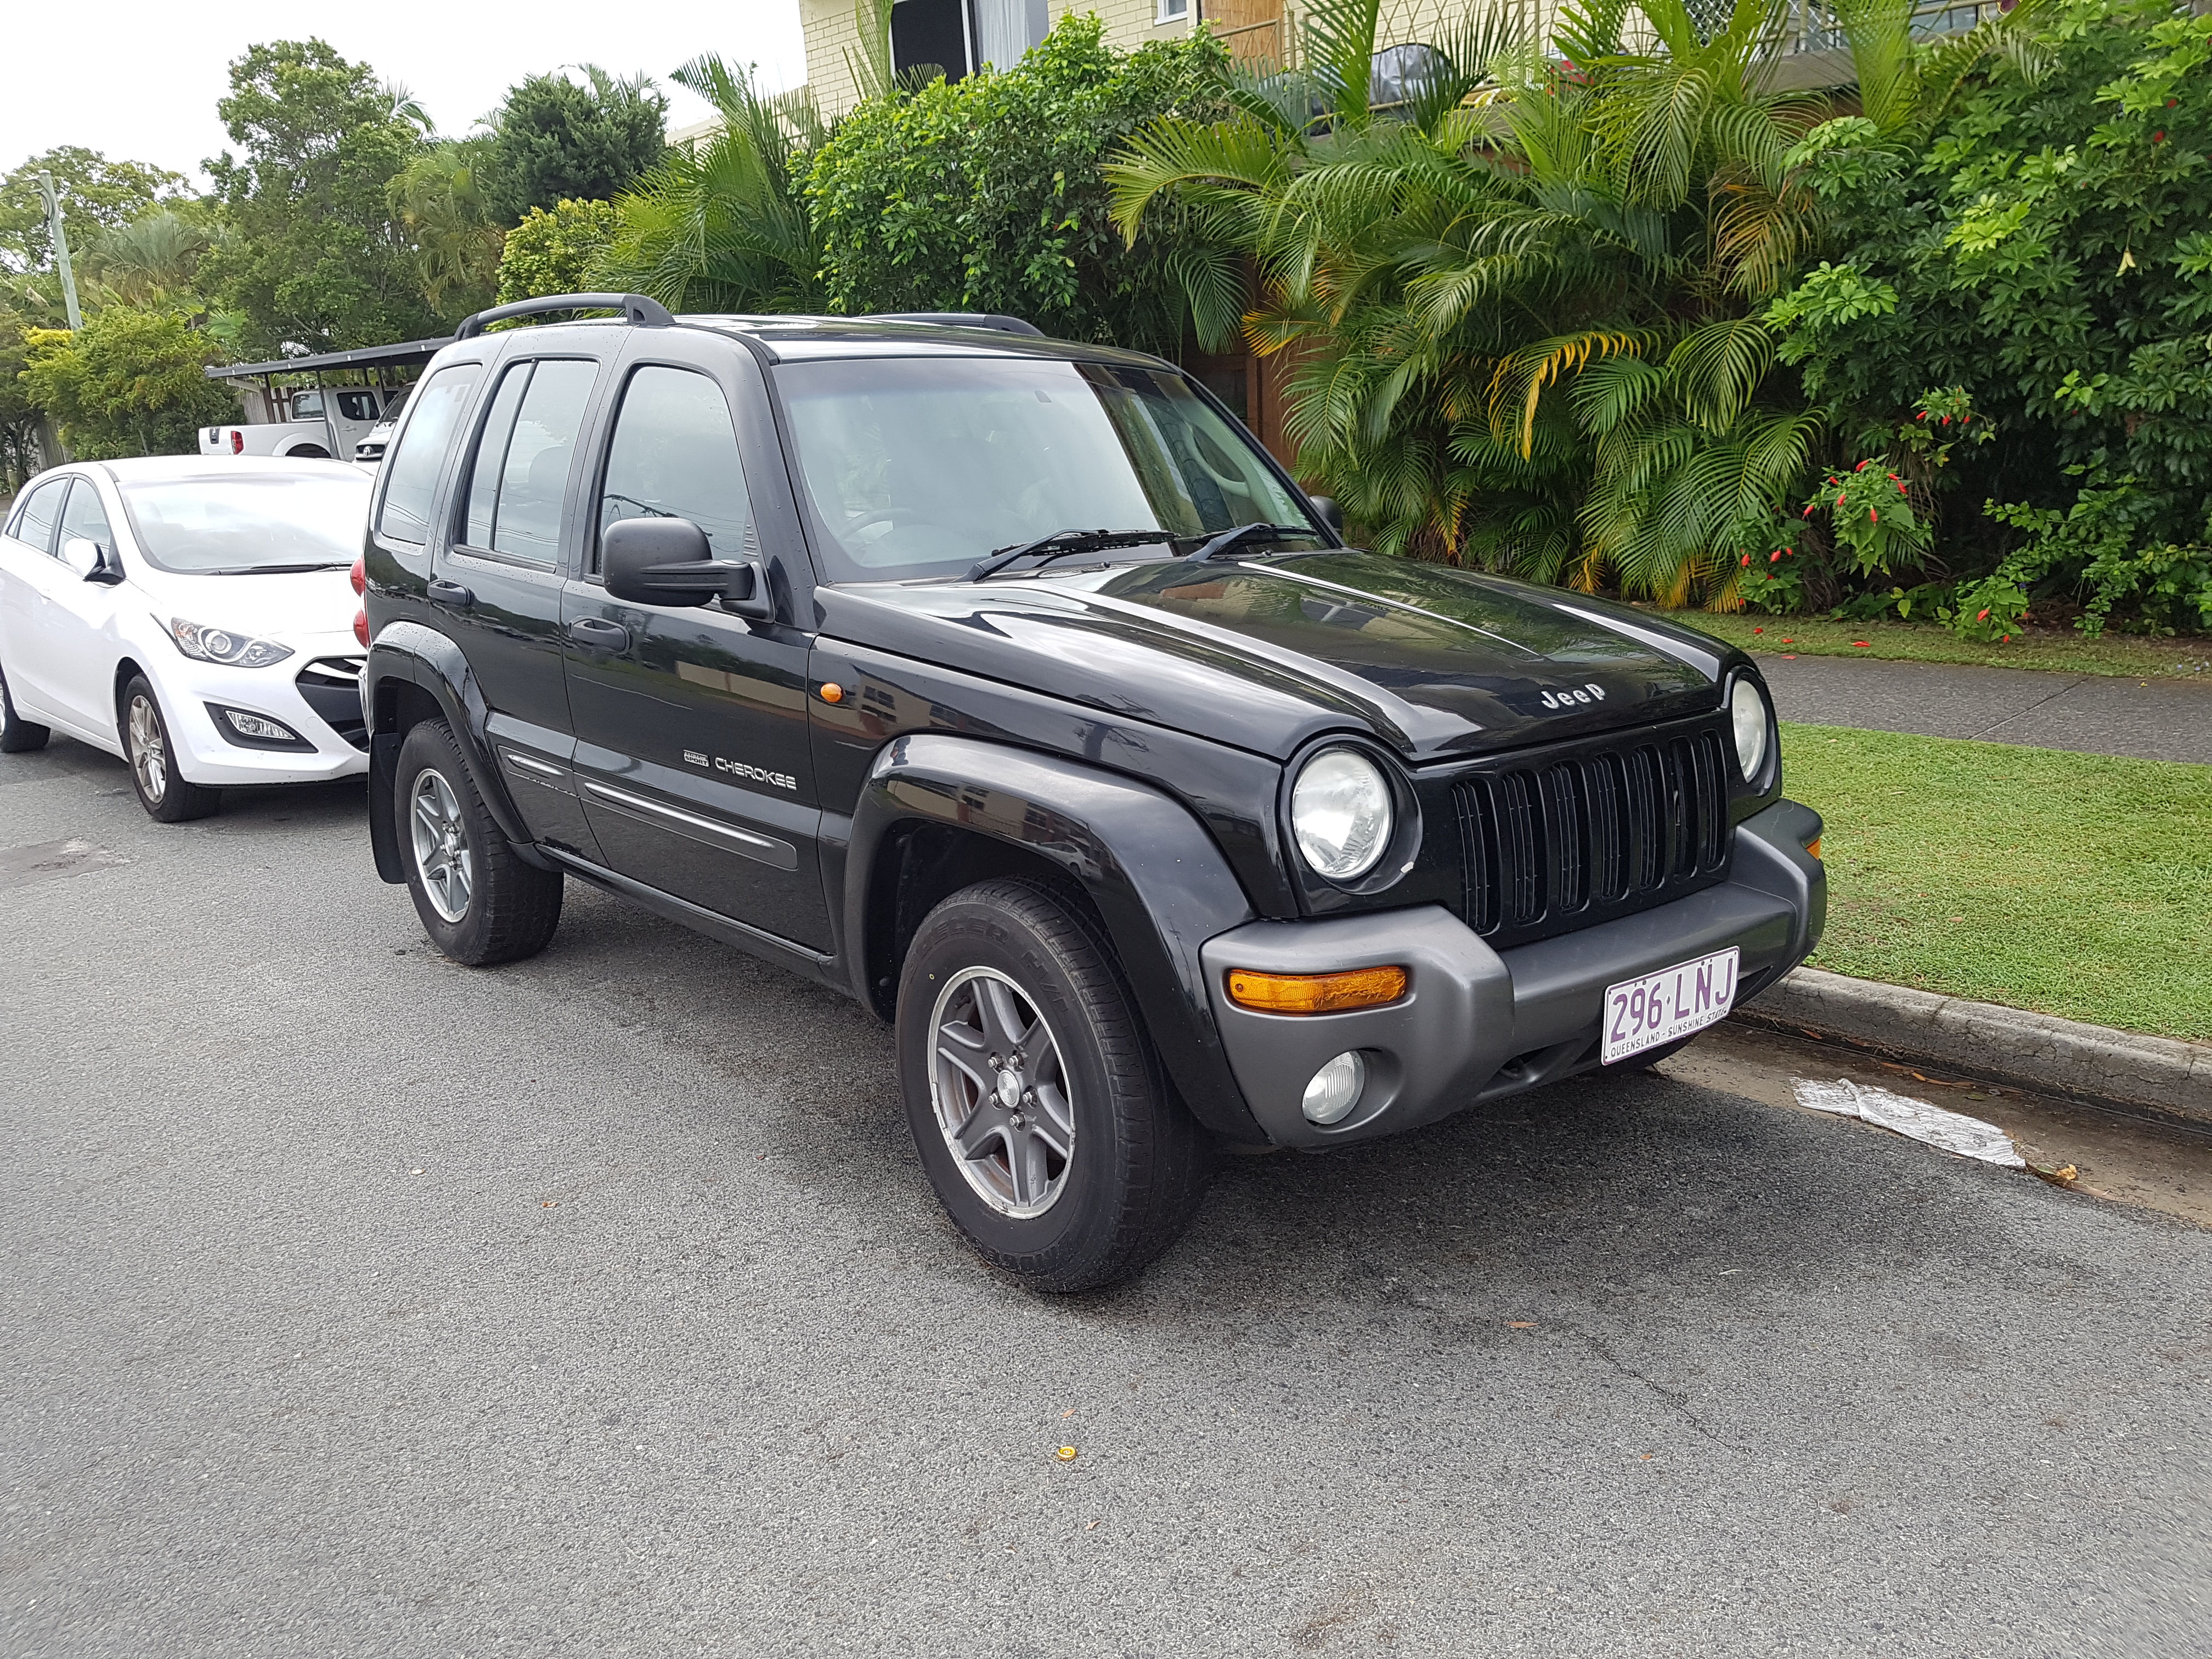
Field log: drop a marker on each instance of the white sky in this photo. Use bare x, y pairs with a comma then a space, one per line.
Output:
143, 85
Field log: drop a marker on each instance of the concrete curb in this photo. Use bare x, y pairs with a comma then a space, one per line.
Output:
2121, 1072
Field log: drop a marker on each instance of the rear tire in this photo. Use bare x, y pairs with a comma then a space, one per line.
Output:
167, 794
17, 735
1038, 1103
479, 903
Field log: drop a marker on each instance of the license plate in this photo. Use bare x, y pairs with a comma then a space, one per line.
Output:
1643, 1013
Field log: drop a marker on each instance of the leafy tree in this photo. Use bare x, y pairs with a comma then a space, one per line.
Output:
2048, 253
320, 259
1525, 303
155, 260
553, 252
96, 194
553, 140
129, 383
439, 200
986, 194
19, 414
723, 224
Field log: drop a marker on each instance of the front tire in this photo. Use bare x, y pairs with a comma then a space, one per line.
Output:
1036, 1102
17, 735
479, 903
167, 794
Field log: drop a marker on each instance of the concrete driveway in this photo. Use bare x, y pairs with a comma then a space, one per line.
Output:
352, 1302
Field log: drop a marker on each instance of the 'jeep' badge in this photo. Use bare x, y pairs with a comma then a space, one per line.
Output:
1587, 692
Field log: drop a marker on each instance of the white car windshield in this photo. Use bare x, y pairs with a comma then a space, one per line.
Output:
244, 524
920, 466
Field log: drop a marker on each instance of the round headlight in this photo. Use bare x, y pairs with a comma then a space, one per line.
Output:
1747, 708
1340, 813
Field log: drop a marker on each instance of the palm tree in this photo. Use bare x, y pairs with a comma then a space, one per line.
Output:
1525, 305
722, 223
153, 261
439, 200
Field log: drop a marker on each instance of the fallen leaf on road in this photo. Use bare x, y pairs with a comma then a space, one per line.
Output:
1520, 1324
550, 1204
1069, 1412
2064, 1176
1066, 1453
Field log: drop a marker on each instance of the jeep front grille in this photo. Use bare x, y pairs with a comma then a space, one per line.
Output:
1609, 830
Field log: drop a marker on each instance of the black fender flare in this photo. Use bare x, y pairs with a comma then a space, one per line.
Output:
408, 653
1161, 885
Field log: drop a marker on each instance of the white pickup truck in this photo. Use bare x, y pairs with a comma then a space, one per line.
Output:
325, 423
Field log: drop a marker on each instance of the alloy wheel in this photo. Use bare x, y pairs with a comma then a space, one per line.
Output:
1001, 1093
149, 750
442, 857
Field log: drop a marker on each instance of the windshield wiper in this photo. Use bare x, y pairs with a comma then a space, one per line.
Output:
1247, 533
1061, 543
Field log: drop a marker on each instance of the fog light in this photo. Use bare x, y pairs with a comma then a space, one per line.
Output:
1335, 1088
253, 726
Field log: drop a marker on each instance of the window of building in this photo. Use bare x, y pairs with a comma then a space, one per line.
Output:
931, 33
1172, 11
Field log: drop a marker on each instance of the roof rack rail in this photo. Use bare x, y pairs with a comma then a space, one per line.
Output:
958, 319
635, 308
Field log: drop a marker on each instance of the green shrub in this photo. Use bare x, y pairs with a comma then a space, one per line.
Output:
552, 250
2046, 251
127, 383
985, 194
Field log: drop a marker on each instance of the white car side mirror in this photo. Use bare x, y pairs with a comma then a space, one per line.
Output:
91, 561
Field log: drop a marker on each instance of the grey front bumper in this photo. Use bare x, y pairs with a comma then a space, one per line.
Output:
1476, 1023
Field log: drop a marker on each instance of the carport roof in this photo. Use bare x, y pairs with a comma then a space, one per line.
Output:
383, 356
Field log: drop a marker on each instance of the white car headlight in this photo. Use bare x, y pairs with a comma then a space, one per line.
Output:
1340, 813
1747, 708
221, 645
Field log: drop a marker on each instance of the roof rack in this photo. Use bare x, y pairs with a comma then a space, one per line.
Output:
955, 320
636, 309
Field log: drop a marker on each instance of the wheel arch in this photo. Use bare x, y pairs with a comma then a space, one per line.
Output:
415, 674
940, 813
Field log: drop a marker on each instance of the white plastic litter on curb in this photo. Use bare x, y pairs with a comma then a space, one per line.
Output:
1954, 1132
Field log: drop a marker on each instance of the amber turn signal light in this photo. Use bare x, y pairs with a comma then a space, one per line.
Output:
1813, 846
1316, 993
832, 692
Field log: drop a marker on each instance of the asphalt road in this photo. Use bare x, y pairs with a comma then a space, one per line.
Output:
355, 1303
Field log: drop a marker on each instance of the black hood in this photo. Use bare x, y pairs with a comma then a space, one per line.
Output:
1265, 653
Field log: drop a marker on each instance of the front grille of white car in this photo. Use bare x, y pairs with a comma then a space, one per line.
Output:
332, 686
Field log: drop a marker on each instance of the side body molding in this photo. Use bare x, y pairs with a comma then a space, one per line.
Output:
407, 653
1161, 885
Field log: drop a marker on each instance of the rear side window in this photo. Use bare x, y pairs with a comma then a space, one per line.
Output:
520, 472
357, 405
307, 405
675, 456
410, 472
84, 516
35, 519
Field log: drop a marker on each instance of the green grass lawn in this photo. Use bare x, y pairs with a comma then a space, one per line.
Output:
2071, 884
2120, 655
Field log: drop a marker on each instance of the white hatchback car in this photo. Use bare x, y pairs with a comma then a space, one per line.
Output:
193, 616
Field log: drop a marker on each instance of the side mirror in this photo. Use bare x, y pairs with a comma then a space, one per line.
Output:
1331, 514
91, 561
669, 562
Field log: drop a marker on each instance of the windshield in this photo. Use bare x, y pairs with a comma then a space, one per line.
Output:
233, 525
920, 466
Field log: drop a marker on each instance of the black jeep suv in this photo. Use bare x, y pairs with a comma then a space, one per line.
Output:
1010, 687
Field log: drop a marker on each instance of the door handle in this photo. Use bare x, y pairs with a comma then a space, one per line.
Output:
445, 592
598, 634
